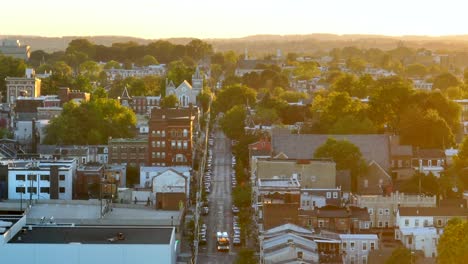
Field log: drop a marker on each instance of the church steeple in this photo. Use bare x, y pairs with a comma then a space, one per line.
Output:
197, 80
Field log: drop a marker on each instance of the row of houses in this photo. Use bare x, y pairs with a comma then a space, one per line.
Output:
292, 188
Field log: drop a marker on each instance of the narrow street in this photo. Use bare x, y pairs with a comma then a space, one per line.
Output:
220, 215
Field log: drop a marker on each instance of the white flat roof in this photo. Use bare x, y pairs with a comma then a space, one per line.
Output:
358, 236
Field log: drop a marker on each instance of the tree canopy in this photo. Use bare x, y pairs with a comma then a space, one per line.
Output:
234, 95
233, 122
91, 123
10, 67
453, 243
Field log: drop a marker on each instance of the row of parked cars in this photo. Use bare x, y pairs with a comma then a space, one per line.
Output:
209, 165
202, 235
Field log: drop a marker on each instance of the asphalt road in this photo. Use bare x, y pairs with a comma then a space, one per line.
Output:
220, 215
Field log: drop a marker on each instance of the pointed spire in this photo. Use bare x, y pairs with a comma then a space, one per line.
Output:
125, 94
197, 74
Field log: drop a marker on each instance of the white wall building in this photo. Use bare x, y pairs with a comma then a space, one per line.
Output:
358, 246
148, 173
33, 180
137, 72
186, 93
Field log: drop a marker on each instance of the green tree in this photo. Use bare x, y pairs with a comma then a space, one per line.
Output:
246, 256
10, 67
242, 196
170, 101
198, 49
306, 70
388, 99
204, 98
233, 122
178, 71
453, 243
330, 108
444, 81
346, 155
401, 255
356, 65
351, 124
90, 69
90, 123
437, 133
148, 60
112, 65
416, 70
234, 95
99, 92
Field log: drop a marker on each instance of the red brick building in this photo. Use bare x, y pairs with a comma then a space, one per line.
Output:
170, 136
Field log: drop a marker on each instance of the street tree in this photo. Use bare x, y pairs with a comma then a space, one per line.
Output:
90, 123
453, 243
233, 122
234, 95
170, 101
444, 81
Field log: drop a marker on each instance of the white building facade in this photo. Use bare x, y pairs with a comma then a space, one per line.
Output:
186, 93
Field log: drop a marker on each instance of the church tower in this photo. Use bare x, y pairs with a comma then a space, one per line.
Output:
197, 81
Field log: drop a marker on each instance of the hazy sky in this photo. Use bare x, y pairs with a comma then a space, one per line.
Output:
237, 18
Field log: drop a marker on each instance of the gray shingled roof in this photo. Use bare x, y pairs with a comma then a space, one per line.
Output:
302, 146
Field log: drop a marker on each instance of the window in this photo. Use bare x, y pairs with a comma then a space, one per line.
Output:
364, 259
32, 190
32, 177
321, 223
366, 183
364, 246
44, 177
313, 178
303, 203
20, 189
307, 203
371, 211
351, 245
410, 240
153, 144
439, 222
163, 155
426, 222
62, 189
416, 222
309, 222
173, 144
44, 189
372, 246
380, 211
185, 132
352, 260
153, 155
335, 195
163, 144
387, 211
185, 144
179, 144
380, 223
328, 195
344, 245
386, 224
62, 177
406, 222
20, 177
163, 133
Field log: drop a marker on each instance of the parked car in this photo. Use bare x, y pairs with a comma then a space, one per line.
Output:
236, 241
205, 210
235, 210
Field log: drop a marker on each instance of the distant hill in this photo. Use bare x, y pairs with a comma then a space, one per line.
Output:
268, 44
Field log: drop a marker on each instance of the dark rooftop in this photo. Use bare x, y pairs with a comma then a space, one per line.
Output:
433, 211
93, 235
